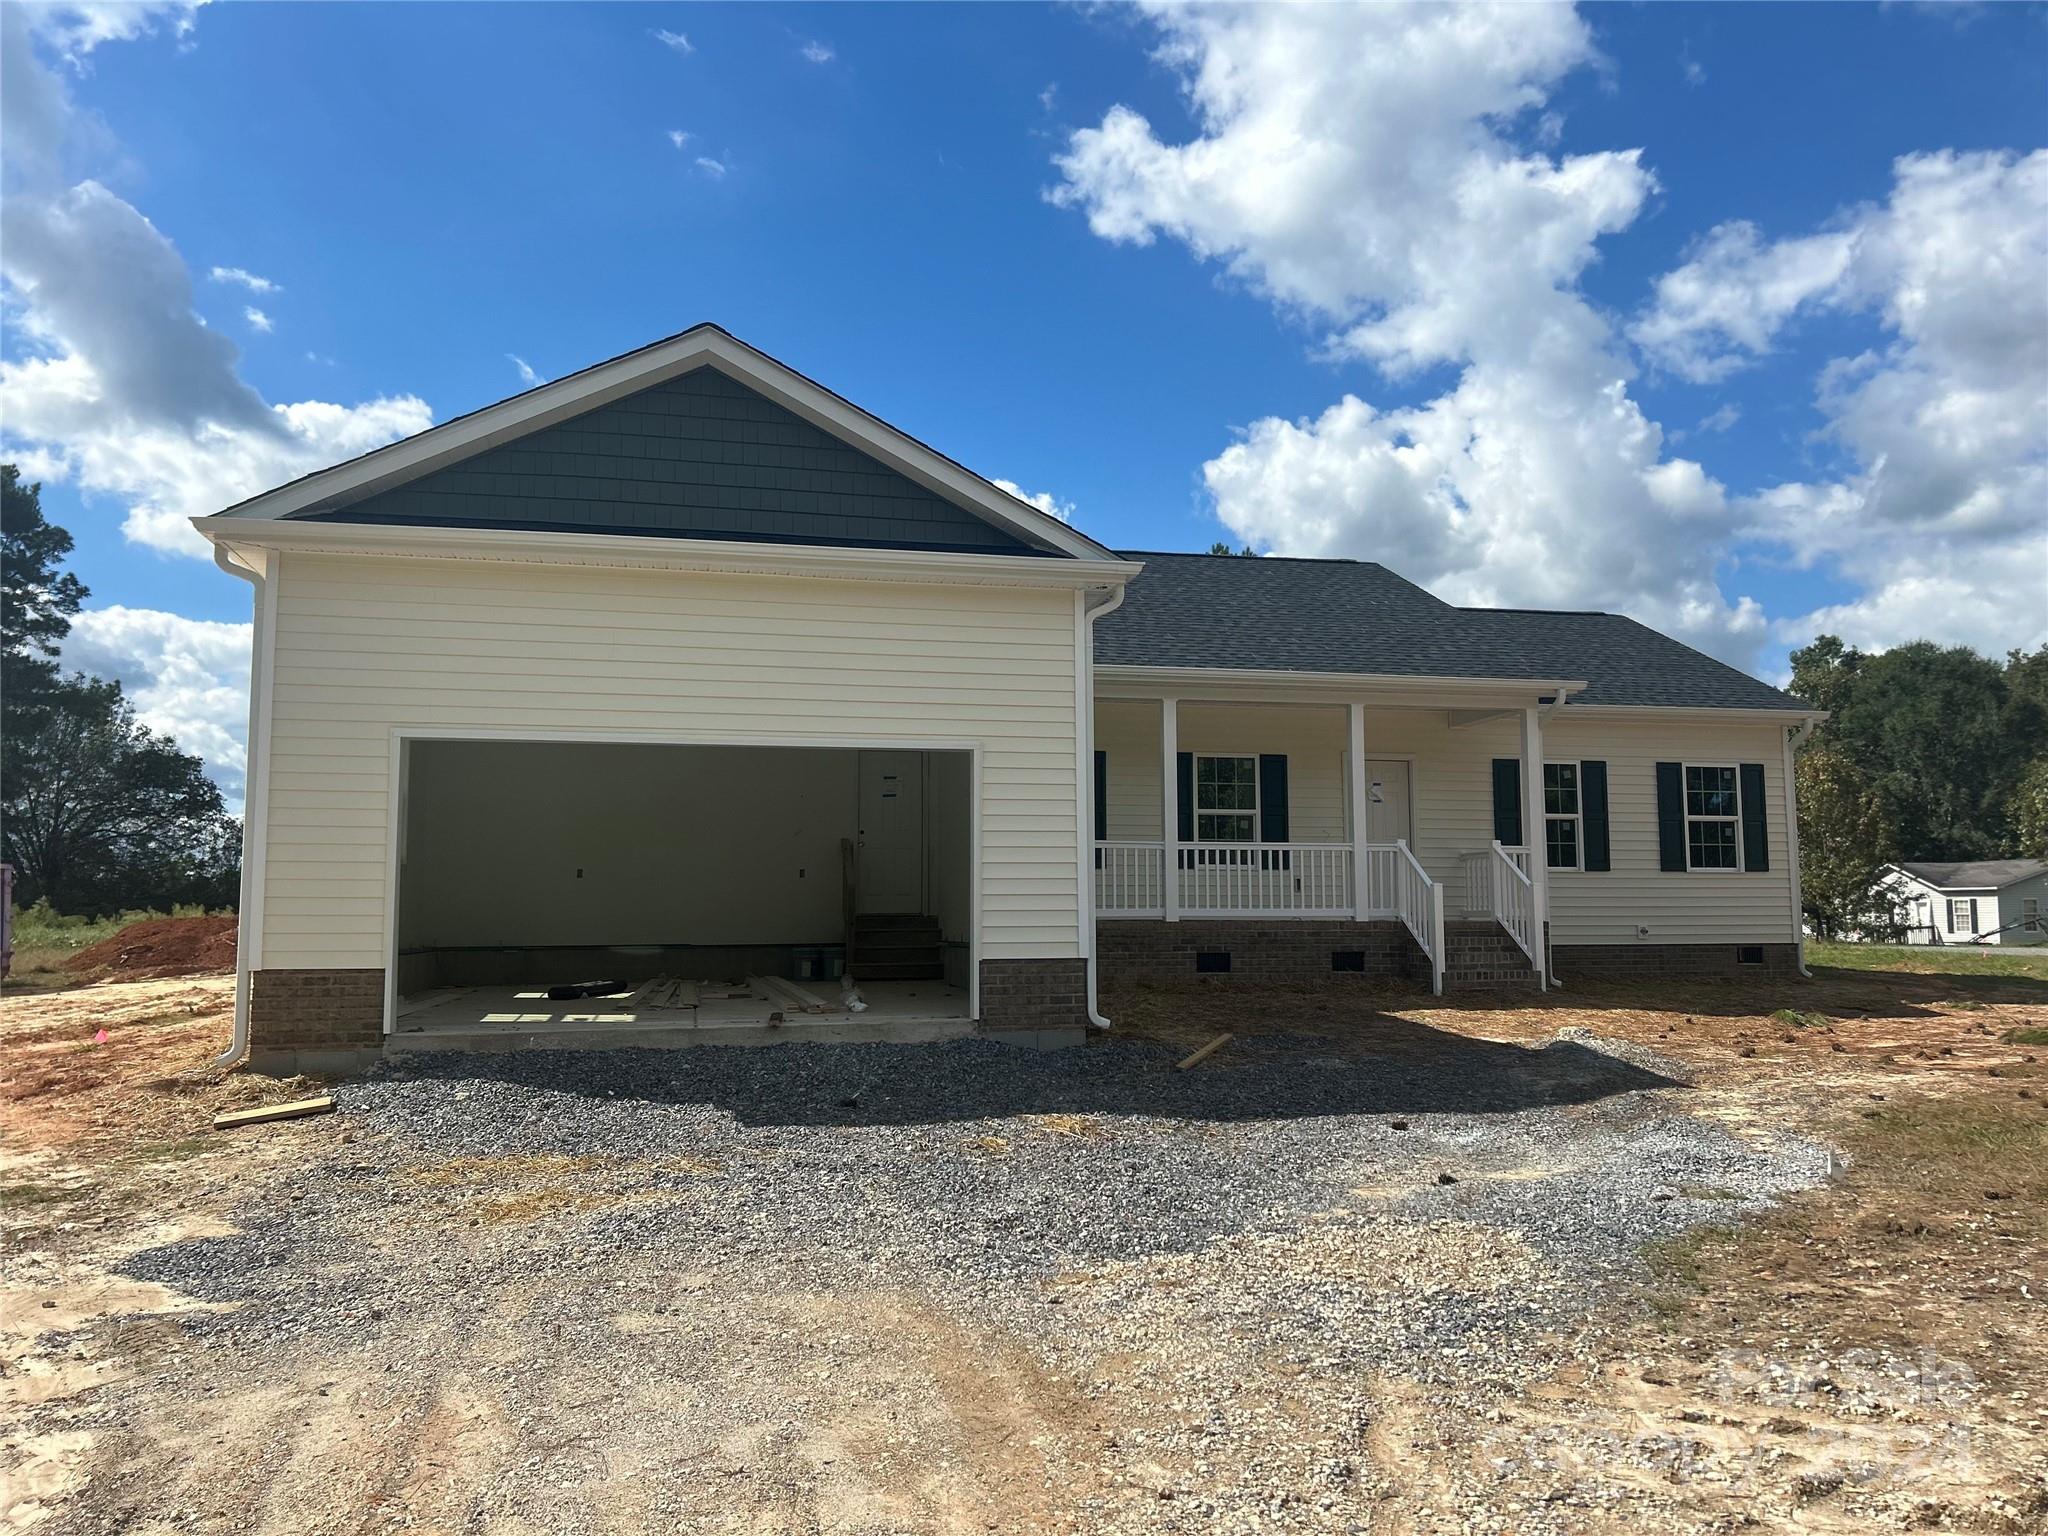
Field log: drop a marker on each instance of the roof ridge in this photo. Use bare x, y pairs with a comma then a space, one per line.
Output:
1206, 554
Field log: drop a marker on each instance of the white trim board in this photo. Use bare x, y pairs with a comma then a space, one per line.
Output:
702, 345
635, 551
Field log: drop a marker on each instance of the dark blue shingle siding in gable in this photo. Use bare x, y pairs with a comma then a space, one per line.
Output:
700, 456
1278, 615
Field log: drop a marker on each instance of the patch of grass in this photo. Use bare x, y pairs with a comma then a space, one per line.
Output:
1680, 1260
1801, 1019
1960, 1142
1933, 959
2032, 1035
22, 1196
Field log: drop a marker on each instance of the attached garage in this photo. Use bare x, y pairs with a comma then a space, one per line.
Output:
754, 875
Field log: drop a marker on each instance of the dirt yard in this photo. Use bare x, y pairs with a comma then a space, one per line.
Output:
1624, 1260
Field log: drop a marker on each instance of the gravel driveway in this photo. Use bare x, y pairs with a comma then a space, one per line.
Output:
879, 1288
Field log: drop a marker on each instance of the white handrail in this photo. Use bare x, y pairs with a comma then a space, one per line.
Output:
1420, 902
1513, 900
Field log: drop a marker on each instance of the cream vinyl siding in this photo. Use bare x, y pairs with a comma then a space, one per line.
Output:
1310, 737
365, 646
1696, 906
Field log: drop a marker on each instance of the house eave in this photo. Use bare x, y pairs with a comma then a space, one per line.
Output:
1188, 682
626, 551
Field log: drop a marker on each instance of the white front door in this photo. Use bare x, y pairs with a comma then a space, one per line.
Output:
1386, 793
891, 873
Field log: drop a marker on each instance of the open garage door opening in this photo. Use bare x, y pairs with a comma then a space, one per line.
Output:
564, 892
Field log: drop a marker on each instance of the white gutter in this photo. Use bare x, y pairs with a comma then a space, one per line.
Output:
1794, 740
256, 798
1093, 605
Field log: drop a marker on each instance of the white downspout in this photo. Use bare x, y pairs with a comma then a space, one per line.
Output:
255, 798
1093, 607
1794, 740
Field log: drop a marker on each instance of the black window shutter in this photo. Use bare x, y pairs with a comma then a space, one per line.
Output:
1756, 839
1671, 817
1507, 801
1272, 797
1102, 797
1184, 794
1593, 812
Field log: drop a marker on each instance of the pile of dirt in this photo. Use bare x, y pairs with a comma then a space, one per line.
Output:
162, 946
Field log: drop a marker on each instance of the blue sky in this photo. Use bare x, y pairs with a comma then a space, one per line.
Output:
1770, 374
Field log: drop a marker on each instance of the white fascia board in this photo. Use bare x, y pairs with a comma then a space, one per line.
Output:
1190, 683
704, 345
625, 551
1690, 711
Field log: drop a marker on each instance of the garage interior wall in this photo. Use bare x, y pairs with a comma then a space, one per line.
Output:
552, 846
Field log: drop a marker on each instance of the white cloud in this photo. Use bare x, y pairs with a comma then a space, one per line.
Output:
1941, 514
710, 167
1049, 97
1733, 296
245, 279
128, 393
1359, 167
187, 678
1695, 72
817, 52
678, 137
526, 374
673, 40
1045, 501
258, 321
1720, 419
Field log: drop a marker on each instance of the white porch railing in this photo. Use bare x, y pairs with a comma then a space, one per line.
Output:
1271, 880
1497, 886
1264, 879
1419, 902
1130, 879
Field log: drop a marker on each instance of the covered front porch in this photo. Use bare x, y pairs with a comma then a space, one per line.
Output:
1237, 802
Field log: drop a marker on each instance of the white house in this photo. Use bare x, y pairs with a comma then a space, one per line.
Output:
1992, 901
684, 665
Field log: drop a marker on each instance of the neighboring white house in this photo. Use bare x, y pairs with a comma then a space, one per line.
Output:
685, 665
1993, 901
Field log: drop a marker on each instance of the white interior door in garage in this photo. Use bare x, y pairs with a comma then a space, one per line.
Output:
891, 843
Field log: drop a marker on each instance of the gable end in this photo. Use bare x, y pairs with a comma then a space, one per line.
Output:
700, 455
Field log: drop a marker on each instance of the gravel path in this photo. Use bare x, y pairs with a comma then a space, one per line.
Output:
1192, 1290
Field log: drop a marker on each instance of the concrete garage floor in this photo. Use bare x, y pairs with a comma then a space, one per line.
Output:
526, 1018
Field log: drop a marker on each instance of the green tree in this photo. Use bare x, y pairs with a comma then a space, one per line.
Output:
1937, 732
37, 599
97, 813
2027, 812
1845, 839
1221, 548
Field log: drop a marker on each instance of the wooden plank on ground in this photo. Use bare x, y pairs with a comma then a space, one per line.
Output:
298, 1109
787, 992
1204, 1053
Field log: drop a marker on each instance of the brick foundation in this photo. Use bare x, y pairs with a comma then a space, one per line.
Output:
1663, 962
1034, 994
1299, 951
307, 1015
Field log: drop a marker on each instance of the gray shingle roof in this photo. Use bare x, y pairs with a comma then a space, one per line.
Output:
1985, 874
1280, 615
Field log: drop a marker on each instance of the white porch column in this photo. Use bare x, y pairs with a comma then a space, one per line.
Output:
1532, 835
1360, 813
1169, 812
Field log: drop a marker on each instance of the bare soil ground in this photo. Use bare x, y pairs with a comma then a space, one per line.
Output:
1868, 1353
